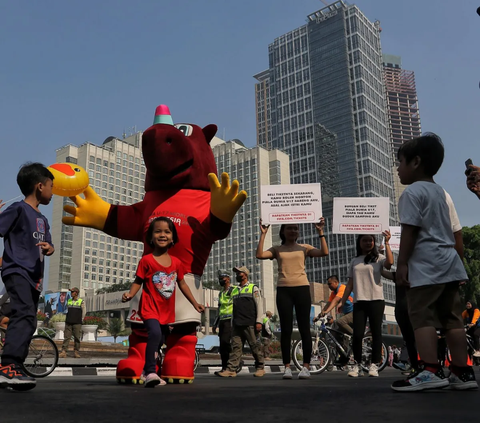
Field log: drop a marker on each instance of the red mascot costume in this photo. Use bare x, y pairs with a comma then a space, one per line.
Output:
181, 184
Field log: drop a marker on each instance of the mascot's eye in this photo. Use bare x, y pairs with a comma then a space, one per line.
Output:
76, 169
186, 129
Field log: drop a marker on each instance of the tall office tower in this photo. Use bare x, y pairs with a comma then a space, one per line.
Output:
88, 258
403, 111
252, 167
326, 88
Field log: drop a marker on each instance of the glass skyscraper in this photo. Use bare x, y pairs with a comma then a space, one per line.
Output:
322, 101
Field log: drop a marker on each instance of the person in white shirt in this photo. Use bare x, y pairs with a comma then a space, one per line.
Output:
364, 278
429, 264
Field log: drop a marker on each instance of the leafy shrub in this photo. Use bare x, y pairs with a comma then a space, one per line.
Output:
94, 320
41, 316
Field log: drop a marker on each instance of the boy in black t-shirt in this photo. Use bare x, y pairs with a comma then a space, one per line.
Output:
27, 240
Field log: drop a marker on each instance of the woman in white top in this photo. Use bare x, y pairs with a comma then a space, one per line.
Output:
293, 288
364, 278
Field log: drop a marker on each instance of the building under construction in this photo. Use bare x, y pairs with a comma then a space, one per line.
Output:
402, 106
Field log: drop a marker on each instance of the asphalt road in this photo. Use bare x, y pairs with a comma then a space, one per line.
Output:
330, 397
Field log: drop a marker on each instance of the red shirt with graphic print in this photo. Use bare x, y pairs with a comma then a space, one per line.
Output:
159, 286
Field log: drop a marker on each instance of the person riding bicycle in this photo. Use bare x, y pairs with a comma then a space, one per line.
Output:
471, 316
345, 322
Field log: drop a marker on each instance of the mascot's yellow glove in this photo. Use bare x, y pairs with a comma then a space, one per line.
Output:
225, 199
91, 211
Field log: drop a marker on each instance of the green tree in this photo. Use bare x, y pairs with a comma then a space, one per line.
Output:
211, 284
115, 328
116, 287
101, 314
471, 243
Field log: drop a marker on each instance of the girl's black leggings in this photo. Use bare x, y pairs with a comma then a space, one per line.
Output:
287, 299
373, 310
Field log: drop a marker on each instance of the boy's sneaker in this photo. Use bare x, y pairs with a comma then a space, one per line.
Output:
287, 374
373, 370
476, 353
304, 373
13, 375
421, 380
466, 380
355, 371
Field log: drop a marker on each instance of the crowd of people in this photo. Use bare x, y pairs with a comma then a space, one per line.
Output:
428, 274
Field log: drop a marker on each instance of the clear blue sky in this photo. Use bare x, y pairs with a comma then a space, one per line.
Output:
80, 71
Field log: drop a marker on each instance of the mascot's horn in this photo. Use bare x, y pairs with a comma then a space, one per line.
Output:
162, 115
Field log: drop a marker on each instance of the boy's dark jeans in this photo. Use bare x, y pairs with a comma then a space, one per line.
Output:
23, 320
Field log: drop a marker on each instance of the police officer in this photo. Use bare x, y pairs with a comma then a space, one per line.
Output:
247, 323
75, 315
224, 318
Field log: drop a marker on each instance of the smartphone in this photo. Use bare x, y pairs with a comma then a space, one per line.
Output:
467, 165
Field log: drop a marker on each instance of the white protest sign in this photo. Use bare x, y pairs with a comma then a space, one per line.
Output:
296, 203
395, 231
360, 215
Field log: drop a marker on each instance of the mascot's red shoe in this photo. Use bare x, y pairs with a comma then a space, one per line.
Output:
179, 359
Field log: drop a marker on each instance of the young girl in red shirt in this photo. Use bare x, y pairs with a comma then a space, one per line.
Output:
158, 272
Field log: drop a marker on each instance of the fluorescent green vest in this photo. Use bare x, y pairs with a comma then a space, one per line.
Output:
74, 314
225, 300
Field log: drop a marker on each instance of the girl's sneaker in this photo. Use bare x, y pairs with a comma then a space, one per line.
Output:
151, 380
304, 374
373, 370
355, 371
288, 373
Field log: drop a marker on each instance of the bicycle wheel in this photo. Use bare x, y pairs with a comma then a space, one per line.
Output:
320, 356
196, 361
42, 357
367, 354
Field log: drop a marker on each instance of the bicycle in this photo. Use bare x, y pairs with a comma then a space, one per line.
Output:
328, 351
445, 356
42, 357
